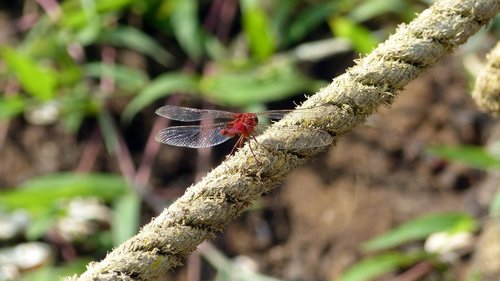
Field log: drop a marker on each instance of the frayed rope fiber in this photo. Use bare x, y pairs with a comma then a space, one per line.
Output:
233, 186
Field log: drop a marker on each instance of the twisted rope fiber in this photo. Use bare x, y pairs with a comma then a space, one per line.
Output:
486, 92
229, 189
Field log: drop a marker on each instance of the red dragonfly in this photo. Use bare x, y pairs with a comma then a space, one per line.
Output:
243, 125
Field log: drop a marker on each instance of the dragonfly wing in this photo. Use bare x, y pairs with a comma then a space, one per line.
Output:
274, 114
280, 113
193, 136
187, 114
303, 138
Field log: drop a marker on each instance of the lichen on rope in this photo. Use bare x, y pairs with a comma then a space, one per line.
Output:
233, 186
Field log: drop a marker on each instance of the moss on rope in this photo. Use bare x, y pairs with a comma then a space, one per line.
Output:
233, 186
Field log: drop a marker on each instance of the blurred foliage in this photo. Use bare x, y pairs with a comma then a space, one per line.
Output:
61, 59
44, 193
55, 272
44, 197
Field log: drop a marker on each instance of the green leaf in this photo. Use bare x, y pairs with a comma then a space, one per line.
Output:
282, 13
272, 82
126, 77
11, 106
75, 16
77, 104
367, 10
38, 81
134, 39
370, 268
89, 33
360, 37
42, 193
109, 132
495, 205
126, 211
308, 20
215, 49
55, 273
162, 86
421, 228
69, 71
257, 31
474, 156
42, 222
186, 27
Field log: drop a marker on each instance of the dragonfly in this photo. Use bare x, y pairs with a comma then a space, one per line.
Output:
244, 126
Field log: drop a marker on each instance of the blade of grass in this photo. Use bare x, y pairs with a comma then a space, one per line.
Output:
257, 31
134, 39
46, 191
126, 211
369, 9
370, 268
271, 82
186, 26
37, 80
160, 87
360, 37
11, 106
116, 146
308, 20
75, 17
126, 77
495, 205
421, 228
55, 272
474, 156
281, 15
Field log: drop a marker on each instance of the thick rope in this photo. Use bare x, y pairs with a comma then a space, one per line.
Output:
233, 186
486, 92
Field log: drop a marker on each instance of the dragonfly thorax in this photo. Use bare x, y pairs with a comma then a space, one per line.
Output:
243, 124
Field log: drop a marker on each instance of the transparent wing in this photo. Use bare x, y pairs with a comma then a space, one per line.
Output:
193, 136
274, 114
303, 138
279, 114
187, 114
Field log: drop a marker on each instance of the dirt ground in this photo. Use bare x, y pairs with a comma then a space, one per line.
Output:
311, 228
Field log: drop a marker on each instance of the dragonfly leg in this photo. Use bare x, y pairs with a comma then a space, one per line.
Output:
255, 139
237, 144
251, 150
